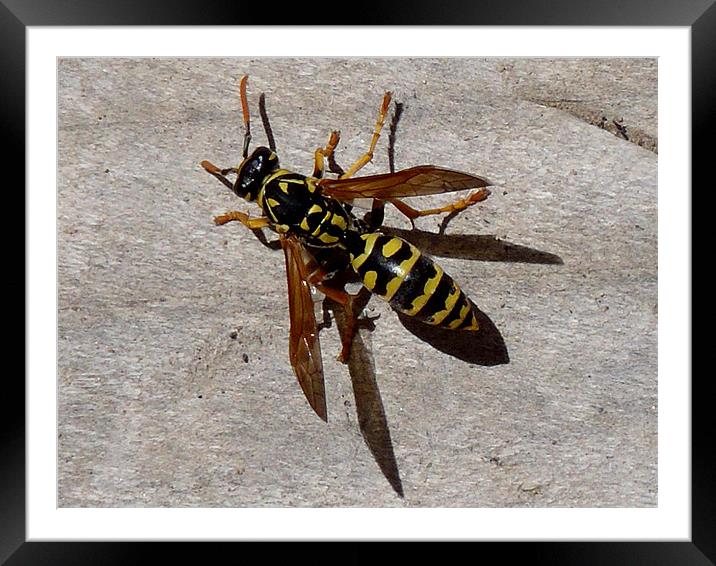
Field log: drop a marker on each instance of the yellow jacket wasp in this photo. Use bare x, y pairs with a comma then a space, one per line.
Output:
312, 213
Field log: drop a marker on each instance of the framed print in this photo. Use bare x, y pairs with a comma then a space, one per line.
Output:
540, 179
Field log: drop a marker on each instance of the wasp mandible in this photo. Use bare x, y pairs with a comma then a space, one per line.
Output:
311, 213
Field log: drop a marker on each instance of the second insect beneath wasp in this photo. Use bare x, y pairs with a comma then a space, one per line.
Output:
313, 213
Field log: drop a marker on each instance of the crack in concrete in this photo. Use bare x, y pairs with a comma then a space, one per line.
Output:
602, 119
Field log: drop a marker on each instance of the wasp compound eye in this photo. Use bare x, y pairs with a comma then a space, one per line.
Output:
253, 172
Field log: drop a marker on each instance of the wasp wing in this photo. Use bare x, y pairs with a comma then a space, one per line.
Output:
304, 347
413, 182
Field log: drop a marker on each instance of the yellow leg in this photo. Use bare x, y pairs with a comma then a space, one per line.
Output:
367, 156
456, 206
323, 153
235, 215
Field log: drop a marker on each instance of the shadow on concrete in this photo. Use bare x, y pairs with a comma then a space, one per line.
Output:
372, 421
484, 347
473, 247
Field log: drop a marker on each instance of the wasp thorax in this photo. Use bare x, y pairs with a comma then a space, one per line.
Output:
252, 172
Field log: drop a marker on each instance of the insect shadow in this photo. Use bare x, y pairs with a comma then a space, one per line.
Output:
324, 254
486, 347
473, 247
372, 421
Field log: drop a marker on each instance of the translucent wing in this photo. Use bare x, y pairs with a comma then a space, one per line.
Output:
304, 347
416, 181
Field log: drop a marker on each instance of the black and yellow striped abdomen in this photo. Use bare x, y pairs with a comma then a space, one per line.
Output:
411, 282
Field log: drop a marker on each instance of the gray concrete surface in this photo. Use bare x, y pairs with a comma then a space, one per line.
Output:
175, 387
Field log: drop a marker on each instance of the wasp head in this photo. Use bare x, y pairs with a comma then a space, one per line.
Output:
253, 171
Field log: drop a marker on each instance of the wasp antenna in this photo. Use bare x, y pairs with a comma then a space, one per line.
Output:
387, 97
265, 122
245, 112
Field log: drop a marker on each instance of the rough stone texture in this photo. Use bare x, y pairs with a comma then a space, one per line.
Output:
175, 387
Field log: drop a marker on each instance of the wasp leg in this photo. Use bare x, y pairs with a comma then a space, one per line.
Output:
326, 153
255, 224
326, 322
375, 217
235, 215
352, 304
218, 173
340, 296
454, 207
353, 322
333, 166
368, 155
261, 237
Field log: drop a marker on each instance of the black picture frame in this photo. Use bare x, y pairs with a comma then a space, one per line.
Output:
17, 15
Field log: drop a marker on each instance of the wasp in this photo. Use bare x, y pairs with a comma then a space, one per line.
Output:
314, 213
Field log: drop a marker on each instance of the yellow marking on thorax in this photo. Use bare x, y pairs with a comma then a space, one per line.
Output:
267, 205
304, 225
260, 198
339, 221
319, 228
369, 239
283, 183
276, 174
327, 238
430, 286
315, 208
